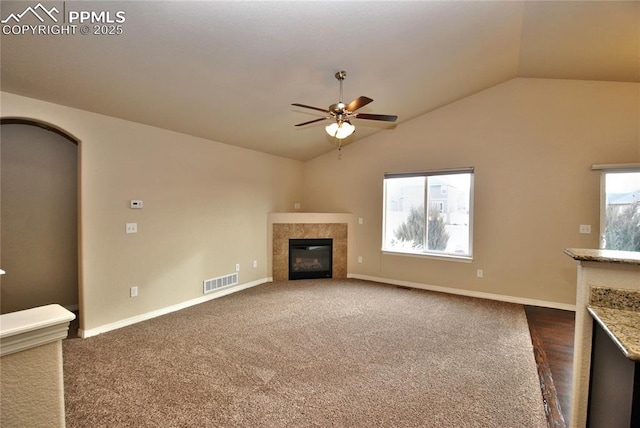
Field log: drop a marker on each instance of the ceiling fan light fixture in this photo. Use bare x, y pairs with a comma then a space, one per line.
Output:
340, 130
340, 114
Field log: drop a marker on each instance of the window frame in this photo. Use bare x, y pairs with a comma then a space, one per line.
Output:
426, 253
604, 170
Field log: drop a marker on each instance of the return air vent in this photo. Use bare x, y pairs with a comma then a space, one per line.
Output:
220, 282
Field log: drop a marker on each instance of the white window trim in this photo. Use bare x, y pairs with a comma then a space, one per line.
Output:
604, 169
433, 256
467, 258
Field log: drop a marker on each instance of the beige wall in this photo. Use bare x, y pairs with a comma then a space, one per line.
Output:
205, 209
532, 143
32, 388
39, 218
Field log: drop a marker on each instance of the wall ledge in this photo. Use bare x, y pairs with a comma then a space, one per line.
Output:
34, 327
304, 217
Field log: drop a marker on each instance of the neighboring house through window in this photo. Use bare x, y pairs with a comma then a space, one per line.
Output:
620, 207
429, 213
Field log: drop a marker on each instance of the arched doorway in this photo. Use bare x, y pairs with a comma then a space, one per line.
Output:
39, 215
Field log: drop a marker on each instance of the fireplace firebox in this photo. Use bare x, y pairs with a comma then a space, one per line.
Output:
310, 258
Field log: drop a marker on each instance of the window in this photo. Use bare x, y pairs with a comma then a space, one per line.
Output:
429, 213
620, 208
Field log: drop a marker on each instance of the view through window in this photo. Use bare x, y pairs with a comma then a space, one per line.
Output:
429, 213
620, 211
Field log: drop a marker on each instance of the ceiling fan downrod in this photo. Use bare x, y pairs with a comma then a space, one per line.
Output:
341, 75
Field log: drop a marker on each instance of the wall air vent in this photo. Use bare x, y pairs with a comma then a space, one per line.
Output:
214, 284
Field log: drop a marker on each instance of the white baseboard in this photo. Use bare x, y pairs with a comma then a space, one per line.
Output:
224, 292
468, 293
173, 308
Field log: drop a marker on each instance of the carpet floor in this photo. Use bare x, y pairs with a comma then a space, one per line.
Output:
312, 353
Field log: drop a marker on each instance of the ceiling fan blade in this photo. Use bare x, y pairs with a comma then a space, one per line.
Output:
384, 117
358, 103
312, 121
313, 108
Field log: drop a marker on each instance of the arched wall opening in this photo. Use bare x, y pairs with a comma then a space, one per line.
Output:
39, 206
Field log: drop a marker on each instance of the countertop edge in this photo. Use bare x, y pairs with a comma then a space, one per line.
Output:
604, 256
628, 353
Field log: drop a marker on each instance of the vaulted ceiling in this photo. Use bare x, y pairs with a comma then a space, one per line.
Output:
229, 71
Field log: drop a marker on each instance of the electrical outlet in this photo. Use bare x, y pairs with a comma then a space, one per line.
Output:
133, 291
237, 267
585, 228
480, 273
360, 220
131, 228
255, 263
359, 259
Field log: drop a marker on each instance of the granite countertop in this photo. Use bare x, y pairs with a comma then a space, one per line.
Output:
604, 256
618, 312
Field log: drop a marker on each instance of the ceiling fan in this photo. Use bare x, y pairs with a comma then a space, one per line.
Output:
342, 113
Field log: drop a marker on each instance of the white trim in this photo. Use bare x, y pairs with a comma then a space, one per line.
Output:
603, 210
427, 175
604, 170
300, 217
434, 256
34, 327
173, 308
468, 293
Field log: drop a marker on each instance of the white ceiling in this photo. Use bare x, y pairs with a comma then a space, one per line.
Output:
229, 71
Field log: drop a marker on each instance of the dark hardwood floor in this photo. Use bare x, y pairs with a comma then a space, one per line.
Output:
552, 332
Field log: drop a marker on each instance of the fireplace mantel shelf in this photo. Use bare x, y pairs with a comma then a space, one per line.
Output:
304, 217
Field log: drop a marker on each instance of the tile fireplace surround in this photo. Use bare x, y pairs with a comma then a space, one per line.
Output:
285, 226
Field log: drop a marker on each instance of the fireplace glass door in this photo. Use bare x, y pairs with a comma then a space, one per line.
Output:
310, 258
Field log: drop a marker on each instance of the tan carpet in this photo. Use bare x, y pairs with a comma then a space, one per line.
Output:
342, 353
